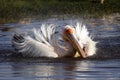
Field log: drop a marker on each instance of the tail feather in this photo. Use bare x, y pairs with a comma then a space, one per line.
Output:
19, 38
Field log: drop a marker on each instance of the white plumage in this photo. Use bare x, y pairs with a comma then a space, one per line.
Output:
48, 41
84, 39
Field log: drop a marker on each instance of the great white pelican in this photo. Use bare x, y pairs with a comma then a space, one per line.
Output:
49, 41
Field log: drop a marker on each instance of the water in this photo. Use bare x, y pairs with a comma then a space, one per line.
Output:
64, 69
105, 65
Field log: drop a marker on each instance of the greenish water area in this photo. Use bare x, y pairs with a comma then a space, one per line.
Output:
16, 10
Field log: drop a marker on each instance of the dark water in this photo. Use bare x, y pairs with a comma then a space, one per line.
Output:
105, 65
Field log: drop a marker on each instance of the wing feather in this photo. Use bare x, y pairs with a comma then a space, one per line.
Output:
32, 48
44, 34
81, 32
84, 39
36, 47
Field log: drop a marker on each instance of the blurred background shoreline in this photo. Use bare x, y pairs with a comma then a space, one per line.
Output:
12, 11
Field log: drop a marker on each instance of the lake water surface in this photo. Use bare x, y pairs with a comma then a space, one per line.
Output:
105, 65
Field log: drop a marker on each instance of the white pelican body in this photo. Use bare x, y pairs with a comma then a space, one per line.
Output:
50, 42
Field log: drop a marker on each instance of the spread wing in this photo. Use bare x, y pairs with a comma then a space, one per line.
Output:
39, 46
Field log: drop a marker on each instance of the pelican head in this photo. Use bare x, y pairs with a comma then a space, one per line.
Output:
68, 35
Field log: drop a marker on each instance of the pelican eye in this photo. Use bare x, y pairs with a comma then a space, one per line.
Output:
84, 48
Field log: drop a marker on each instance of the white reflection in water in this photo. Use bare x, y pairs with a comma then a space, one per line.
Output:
45, 70
66, 69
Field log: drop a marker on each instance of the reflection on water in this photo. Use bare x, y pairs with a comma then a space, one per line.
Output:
46, 70
66, 69
104, 65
